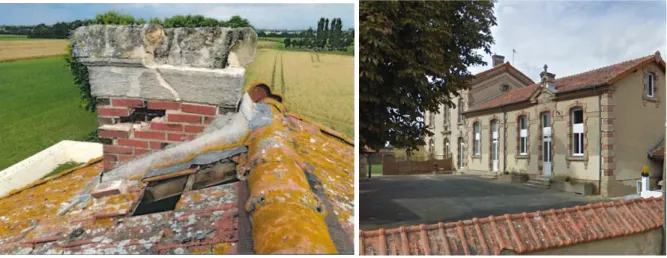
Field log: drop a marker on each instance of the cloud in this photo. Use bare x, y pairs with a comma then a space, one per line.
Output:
262, 16
574, 37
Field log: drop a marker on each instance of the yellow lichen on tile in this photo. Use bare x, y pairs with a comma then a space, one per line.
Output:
25, 208
221, 248
332, 161
287, 217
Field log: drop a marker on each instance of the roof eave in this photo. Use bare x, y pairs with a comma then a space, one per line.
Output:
598, 85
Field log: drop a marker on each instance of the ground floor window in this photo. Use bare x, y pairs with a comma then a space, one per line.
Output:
523, 135
578, 132
478, 139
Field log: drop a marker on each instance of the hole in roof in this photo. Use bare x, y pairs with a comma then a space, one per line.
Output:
161, 196
223, 172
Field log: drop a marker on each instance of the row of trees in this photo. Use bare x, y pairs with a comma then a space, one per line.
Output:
329, 36
60, 30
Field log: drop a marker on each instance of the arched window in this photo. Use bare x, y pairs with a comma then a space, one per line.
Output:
523, 135
477, 139
577, 120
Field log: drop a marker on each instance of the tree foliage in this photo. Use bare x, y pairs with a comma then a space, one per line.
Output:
414, 56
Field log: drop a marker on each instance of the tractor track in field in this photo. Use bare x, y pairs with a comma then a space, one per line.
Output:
282, 75
273, 73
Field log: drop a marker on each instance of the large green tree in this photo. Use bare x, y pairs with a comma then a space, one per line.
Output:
414, 56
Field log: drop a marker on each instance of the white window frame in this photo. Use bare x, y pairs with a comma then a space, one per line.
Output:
478, 138
523, 135
650, 85
577, 133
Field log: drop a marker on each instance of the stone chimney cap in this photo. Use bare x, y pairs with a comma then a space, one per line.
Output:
150, 44
197, 65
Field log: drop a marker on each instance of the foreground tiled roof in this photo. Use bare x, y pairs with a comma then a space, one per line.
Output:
607, 74
299, 195
520, 233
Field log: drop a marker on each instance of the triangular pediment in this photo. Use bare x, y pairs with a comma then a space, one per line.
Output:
542, 95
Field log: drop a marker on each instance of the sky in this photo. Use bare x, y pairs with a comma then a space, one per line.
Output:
261, 16
575, 37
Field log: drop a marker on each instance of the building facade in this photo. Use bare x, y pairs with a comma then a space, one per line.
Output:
448, 124
595, 127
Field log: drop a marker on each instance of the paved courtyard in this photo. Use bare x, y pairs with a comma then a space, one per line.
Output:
393, 201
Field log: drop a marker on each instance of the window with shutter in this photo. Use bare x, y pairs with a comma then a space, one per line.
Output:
577, 132
523, 135
650, 85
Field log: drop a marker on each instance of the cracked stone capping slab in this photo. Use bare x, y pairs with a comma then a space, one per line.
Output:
200, 65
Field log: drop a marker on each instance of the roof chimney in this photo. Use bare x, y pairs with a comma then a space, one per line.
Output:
151, 92
497, 60
548, 79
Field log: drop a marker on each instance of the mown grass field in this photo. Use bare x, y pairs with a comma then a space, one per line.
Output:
30, 48
39, 106
319, 86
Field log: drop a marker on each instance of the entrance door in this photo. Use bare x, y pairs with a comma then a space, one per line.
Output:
461, 154
494, 145
546, 144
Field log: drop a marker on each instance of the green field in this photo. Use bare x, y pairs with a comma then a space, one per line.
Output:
274, 39
9, 37
40, 107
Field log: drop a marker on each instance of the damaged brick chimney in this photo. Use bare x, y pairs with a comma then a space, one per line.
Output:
157, 86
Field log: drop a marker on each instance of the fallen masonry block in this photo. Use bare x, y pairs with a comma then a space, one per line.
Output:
108, 188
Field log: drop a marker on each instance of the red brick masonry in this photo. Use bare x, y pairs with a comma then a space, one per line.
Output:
126, 139
521, 233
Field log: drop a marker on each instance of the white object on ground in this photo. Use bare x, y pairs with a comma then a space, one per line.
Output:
37, 166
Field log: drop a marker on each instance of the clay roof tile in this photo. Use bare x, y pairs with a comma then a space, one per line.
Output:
607, 74
518, 233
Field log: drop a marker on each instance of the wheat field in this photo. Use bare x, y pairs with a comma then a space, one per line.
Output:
318, 86
27, 49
